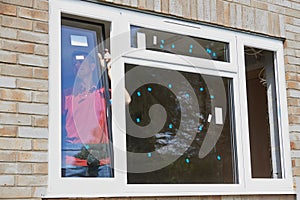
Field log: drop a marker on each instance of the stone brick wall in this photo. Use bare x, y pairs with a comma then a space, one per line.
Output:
24, 77
23, 98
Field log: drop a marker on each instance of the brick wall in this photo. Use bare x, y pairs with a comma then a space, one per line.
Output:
23, 98
24, 77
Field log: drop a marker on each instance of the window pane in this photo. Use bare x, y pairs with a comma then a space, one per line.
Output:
179, 127
86, 126
178, 44
262, 114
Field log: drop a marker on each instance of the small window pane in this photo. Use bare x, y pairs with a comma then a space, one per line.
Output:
262, 114
178, 44
86, 123
179, 127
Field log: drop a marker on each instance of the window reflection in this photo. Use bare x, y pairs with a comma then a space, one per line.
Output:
86, 135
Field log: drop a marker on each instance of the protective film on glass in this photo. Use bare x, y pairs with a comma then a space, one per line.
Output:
179, 127
85, 96
178, 44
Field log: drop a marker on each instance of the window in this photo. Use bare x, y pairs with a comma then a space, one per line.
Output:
182, 108
86, 114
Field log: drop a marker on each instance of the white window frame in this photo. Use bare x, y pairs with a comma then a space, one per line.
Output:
122, 53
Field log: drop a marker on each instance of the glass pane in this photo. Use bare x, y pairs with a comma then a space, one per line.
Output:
86, 126
178, 44
179, 127
262, 114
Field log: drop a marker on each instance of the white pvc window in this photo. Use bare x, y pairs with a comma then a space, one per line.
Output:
188, 129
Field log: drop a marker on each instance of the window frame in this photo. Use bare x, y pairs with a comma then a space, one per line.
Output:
121, 20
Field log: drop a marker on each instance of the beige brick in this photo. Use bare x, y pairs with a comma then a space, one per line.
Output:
15, 168
40, 168
294, 119
14, 22
206, 6
290, 52
40, 145
200, 8
175, 7
296, 21
157, 5
15, 143
149, 4
40, 97
33, 60
292, 12
15, 119
259, 4
32, 84
8, 33
260, 21
294, 110
40, 73
7, 180
293, 102
290, 68
15, 95
40, 27
39, 191
226, 14
28, 36
220, 12
239, 17
291, 76
293, 85
292, 28
296, 171
186, 9
7, 82
16, 46
40, 121
8, 57
15, 192
141, 4
8, 156
297, 53
6, 106
213, 11
26, 3
273, 23
133, 3
194, 11
292, 44
16, 70
292, 60
281, 26
27, 180
248, 18
8, 9
276, 9
8, 131
32, 108
295, 6
296, 162
41, 50
32, 132
165, 6
291, 36
244, 2
41, 4
33, 14
35, 156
